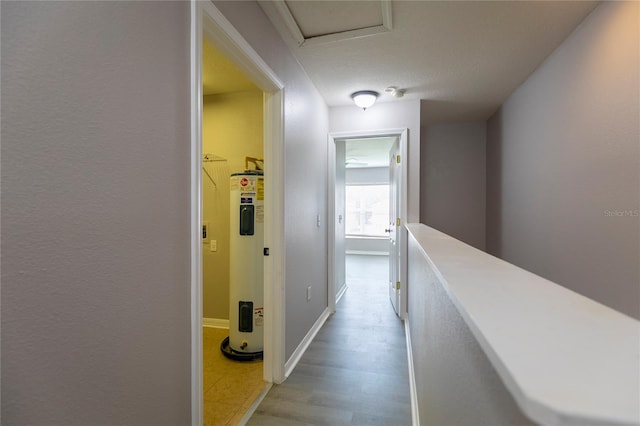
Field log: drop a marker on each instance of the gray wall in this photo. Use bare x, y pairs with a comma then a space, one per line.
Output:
306, 127
453, 176
95, 213
563, 164
455, 381
367, 175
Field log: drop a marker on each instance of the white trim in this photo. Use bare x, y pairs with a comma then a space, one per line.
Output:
195, 264
283, 10
403, 136
387, 15
366, 245
361, 134
230, 42
207, 20
365, 237
345, 35
278, 11
252, 409
274, 264
302, 347
331, 228
413, 391
367, 252
404, 210
215, 323
341, 292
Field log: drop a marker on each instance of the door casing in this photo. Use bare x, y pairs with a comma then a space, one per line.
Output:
207, 21
395, 237
402, 134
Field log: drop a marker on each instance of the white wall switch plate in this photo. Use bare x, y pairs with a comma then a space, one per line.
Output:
213, 245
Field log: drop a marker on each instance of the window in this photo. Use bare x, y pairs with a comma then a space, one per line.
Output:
367, 210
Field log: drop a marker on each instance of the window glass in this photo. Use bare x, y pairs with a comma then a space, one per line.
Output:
367, 209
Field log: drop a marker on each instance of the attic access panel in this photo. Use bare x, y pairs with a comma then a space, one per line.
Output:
314, 22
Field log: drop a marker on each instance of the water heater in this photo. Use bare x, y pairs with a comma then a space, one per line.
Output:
246, 310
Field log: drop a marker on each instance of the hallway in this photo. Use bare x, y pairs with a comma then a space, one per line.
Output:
355, 371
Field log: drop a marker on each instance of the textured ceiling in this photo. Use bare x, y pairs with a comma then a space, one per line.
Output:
462, 58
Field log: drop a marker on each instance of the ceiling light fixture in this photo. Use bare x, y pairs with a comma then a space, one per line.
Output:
364, 98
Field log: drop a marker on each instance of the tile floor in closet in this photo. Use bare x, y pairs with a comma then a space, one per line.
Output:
230, 387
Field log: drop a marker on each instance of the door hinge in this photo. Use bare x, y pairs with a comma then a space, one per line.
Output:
398, 222
398, 159
397, 285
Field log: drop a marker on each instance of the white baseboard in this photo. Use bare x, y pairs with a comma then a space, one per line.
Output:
367, 252
215, 323
341, 293
302, 347
243, 421
415, 414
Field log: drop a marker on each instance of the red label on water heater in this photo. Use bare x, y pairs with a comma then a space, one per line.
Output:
244, 181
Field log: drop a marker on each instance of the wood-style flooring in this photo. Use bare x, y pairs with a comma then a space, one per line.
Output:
355, 371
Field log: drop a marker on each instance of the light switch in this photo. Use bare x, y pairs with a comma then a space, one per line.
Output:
205, 231
213, 245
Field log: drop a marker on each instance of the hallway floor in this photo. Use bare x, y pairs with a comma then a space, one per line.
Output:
355, 371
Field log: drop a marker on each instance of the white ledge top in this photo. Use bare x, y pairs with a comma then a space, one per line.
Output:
566, 359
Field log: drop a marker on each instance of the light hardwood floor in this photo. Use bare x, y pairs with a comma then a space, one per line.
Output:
355, 371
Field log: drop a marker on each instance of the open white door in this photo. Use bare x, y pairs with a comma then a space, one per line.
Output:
339, 226
394, 223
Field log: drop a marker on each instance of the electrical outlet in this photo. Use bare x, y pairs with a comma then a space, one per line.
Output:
213, 245
308, 293
318, 220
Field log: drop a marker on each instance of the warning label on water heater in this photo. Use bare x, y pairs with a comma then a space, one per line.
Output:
258, 316
260, 190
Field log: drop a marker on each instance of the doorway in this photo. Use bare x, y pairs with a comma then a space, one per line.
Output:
210, 25
232, 143
359, 168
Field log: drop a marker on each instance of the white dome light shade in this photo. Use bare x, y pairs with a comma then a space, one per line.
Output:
364, 98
